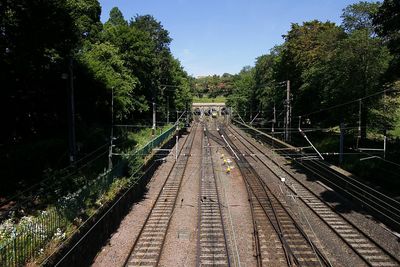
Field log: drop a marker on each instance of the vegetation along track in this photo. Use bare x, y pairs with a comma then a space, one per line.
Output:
146, 250
371, 252
298, 249
212, 247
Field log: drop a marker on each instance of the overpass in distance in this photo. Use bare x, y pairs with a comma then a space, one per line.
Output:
207, 106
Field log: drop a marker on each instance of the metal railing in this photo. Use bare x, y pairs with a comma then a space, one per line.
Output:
32, 234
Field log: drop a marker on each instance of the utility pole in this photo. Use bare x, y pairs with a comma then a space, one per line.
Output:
384, 129
273, 121
110, 151
71, 113
299, 127
177, 137
341, 143
153, 129
167, 109
359, 121
288, 110
187, 115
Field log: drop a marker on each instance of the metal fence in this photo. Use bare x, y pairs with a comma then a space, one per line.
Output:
30, 237
33, 234
156, 142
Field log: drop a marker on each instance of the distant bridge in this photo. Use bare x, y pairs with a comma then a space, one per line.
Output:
207, 106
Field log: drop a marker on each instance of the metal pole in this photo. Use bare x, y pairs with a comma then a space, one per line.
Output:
167, 109
71, 113
112, 131
273, 121
341, 143
384, 130
384, 146
299, 122
359, 121
287, 121
176, 146
290, 121
153, 129
187, 115
177, 137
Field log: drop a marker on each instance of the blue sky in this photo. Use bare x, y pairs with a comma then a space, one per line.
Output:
218, 36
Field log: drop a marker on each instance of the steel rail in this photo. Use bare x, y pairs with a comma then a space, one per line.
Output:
257, 245
132, 249
277, 227
352, 246
206, 208
379, 203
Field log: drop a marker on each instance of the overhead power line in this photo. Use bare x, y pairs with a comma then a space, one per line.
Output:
349, 102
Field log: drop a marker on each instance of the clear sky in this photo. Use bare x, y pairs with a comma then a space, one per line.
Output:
218, 36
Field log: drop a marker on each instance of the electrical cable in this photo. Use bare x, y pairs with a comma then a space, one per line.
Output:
349, 102
327, 168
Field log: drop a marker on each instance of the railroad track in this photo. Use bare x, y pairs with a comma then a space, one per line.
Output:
146, 250
367, 249
268, 247
298, 249
385, 208
212, 248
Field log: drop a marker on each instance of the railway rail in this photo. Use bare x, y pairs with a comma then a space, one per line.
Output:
268, 246
212, 239
385, 208
298, 249
147, 248
367, 249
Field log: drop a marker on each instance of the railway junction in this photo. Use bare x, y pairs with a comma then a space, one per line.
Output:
229, 195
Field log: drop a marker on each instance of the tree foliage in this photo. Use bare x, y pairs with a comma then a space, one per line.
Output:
387, 25
359, 16
38, 40
131, 60
107, 66
242, 97
328, 64
213, 85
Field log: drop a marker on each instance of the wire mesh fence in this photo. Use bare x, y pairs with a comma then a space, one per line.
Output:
31, 235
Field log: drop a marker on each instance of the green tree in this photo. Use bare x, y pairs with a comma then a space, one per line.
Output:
116, 18
107, 66
367, 58
158, 34
35, 37
387, 23
354, 71
306, 48
183, 94
267, 90
359, 16
243, 95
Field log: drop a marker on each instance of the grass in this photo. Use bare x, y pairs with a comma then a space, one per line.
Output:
140, 138
396, 131
218, 99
